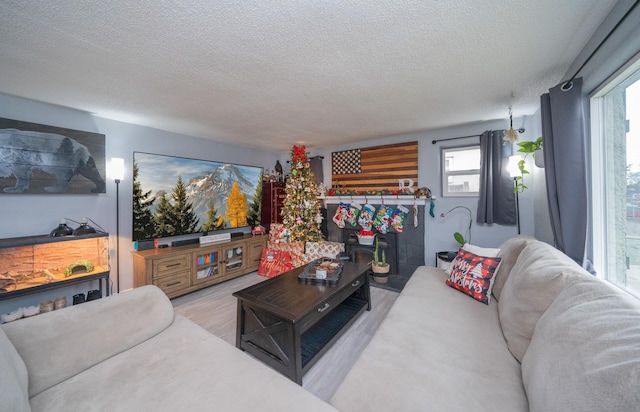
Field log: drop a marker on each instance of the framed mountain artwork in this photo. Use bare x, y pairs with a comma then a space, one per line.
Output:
41, 159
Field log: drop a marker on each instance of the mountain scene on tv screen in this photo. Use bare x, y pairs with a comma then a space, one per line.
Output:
177, 196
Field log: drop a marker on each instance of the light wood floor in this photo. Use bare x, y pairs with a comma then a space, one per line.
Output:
214, 309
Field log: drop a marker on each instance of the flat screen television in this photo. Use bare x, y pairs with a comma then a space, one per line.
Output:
175, 196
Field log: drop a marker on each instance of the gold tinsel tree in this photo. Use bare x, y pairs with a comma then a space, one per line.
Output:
301, 211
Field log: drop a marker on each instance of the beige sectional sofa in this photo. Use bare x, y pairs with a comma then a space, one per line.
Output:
554, 338
130, 352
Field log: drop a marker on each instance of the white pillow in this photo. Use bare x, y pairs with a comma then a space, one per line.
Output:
476, 250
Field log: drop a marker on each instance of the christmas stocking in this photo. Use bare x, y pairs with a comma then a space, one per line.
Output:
338, 218
365, 220
382, 219
397, 220
352, 213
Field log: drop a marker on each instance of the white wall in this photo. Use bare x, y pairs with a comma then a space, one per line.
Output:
28, 215
439, 232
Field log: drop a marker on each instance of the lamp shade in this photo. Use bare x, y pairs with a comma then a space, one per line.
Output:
117, 168
514, 170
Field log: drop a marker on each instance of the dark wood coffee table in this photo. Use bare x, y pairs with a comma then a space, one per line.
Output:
289, 324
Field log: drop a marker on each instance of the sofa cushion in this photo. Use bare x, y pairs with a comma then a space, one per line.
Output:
184, 368
103, 327
436, 350
473, 275
538, 276
509, 252
585, 351
480, 251
14, 381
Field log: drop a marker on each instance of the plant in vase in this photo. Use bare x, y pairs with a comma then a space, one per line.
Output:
457, 235
380, 267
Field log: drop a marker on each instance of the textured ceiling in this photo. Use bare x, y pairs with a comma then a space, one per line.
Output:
270, 74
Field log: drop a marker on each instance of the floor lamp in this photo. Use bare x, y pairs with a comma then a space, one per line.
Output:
514, 172
117, 173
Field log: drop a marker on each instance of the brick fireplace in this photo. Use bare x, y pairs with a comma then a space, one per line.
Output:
364, 253
404, 251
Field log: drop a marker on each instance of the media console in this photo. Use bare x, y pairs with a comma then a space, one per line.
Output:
179, 270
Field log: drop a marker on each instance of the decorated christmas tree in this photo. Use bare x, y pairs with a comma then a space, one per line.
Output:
301, 210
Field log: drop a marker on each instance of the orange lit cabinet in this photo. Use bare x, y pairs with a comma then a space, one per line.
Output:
37, 263
183, 269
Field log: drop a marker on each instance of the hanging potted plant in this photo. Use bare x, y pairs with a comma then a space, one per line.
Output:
528, 148
379, 266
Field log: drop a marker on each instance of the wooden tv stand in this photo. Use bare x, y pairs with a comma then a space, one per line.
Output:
183, 269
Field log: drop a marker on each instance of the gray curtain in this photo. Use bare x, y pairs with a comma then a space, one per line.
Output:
316, 168
497, 201
565, 167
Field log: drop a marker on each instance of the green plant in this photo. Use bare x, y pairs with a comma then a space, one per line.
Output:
526, 148
457, 235
382, 262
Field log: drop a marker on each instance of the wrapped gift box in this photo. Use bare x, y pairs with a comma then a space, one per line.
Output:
278, 233
317, 250
274, 262
295, 249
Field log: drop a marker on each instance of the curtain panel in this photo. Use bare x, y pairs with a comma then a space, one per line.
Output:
563, 135
317, 169
497, 202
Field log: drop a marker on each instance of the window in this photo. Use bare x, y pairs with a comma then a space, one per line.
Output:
461, 171
615, 148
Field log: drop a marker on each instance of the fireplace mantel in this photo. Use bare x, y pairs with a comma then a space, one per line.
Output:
376, 199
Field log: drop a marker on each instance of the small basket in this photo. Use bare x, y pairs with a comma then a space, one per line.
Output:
366, 240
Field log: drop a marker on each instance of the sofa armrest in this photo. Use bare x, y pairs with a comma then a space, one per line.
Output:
60, 344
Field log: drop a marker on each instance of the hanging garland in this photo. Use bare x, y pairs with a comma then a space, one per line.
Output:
384, 192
